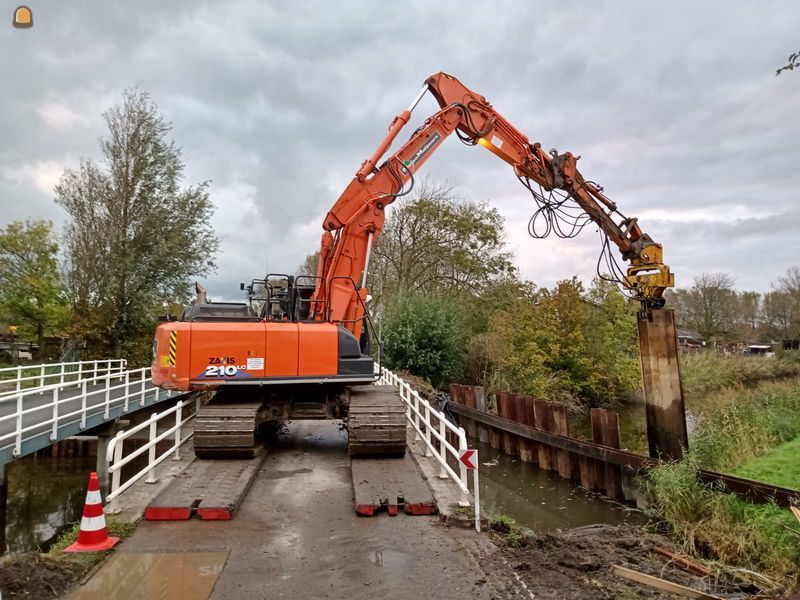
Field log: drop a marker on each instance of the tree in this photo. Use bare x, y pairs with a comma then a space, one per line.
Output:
310, 265
708, 307
781, 311
794, 62
135, 239
31, 292
436, 243
565, 344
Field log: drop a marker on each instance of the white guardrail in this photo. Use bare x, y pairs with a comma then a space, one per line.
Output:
429, 424
114, 452
14, 379
95, 392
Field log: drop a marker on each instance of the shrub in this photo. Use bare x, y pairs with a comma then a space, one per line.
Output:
421, 334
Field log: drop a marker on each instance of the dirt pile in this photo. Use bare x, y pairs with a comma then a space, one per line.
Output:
576, 563
34, 575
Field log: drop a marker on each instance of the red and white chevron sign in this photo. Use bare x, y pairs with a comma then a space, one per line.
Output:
469, 458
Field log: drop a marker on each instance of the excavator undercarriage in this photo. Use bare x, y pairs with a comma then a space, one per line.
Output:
237, 420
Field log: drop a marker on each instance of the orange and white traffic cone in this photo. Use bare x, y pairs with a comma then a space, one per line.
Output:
93, 535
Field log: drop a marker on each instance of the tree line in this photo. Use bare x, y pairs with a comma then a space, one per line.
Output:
715, 310
134, 239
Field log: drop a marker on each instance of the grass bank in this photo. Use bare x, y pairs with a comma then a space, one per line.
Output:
753, 432
780, 466
722, 527
706, 372
742, 424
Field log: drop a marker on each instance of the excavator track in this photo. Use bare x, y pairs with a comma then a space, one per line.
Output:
226, 429
377, 422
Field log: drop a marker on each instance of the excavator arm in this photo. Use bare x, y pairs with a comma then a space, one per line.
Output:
353, 224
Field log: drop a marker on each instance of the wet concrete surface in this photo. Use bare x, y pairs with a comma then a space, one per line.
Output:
296, 535
167, 576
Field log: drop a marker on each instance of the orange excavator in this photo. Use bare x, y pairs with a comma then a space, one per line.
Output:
300, 348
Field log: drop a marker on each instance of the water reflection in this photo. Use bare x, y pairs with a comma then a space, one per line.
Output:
44, 495
541, 500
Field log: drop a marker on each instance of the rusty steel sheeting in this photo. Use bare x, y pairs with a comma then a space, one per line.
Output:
752, 490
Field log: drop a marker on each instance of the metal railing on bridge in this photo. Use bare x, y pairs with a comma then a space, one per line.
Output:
33, 418
15, 379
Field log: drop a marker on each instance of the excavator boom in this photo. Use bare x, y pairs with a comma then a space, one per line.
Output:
353, 224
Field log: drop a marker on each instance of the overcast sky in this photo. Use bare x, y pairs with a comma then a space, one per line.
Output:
674, 107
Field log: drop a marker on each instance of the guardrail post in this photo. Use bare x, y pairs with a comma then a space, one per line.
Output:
462, 445
178, 411
114, 507
127, 391
19, 377
18, 442
141, 398
83, 404
61, 379
54, 433
80, 372
427, 431
476, 493
107, 410
442, 448
151, 453
416, 414
94, 373
41, 377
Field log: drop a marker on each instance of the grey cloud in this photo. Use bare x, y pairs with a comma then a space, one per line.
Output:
672, 107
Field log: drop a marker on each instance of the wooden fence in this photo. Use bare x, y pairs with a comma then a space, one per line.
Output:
591, 473
538, 432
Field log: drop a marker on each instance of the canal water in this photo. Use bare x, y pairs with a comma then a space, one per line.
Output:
541, 500
46, 495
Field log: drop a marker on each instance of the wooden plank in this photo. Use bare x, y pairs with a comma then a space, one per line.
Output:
596, 415
495, 435
480, 404
455, 393
542, 416
468, 396
531, 420
588, 476
661, 378
526, 450
504, 408
683, 562
661, 584
795, 512
613, 474
561, 427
